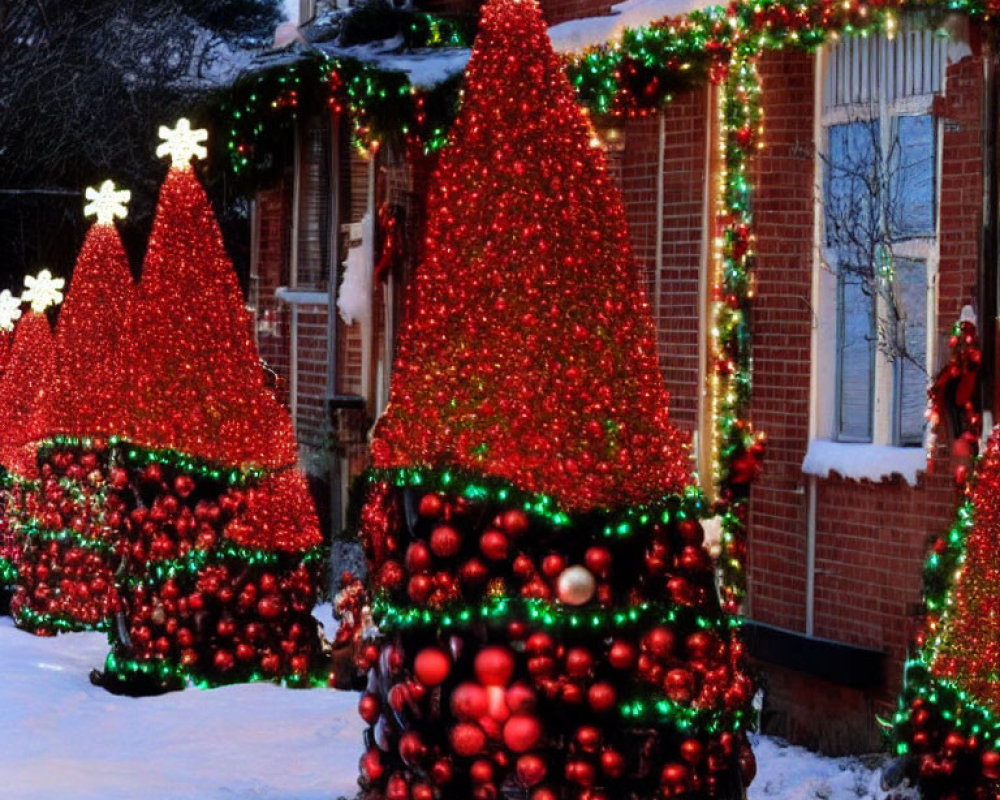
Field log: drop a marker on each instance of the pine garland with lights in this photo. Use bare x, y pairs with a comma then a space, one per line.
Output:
947, 724
218, 531
549, 619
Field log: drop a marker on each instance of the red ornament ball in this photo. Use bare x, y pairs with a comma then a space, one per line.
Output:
621, 654
612, 763
369, 708
467, 739
445, 541
530, 769
494, 665
514, 522
521, 733
430, 506
602, 697
468, 701
432, 666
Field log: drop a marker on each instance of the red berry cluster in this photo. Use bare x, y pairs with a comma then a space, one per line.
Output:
66, 578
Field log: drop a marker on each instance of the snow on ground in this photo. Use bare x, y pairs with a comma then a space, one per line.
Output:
785, 772
64, 739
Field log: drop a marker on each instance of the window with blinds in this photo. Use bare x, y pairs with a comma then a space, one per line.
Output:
879, 199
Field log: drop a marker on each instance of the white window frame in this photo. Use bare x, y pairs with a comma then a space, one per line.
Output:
857, 102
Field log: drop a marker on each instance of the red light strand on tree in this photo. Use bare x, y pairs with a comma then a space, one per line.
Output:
531, 354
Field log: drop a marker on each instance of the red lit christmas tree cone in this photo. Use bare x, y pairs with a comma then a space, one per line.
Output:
9, 552
68, 564
222, 544
947, 726
550, 626
26, 380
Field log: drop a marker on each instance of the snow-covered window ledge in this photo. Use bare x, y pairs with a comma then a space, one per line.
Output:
864, 462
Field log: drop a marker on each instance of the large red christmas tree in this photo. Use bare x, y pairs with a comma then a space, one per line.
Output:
222, 539
947, 727
66, 578
549, 622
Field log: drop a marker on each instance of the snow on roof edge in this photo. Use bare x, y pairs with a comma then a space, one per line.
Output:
871, 462
579, 34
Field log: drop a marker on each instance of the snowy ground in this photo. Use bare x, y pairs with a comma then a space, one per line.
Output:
63, 739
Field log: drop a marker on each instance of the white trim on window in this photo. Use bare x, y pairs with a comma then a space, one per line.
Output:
846, 93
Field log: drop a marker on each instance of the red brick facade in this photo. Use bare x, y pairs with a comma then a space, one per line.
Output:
870, 538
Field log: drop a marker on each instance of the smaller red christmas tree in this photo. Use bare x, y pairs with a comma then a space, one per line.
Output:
10, 312
25, 390
87, 394
221, 543
195, 384
66, 575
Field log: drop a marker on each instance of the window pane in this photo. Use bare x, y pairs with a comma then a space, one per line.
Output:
911, 395
855, 358
911, 177
852, 179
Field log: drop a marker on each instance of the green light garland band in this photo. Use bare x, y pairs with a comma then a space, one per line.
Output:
685, 719
191, 564
169, 675
137, 456
389, 616
124, 452
30, 620
8, 572
35, 532
612, 524
957, 707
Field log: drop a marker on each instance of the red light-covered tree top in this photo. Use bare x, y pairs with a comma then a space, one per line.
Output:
87, 393
25, 394
968, 651
530, 352
195, 384
280, 515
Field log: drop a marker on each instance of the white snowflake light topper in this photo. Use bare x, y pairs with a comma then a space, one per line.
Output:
106, 203
182, 143
42, 290
10, 310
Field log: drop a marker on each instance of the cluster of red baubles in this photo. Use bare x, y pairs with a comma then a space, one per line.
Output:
18, 503
952, 396
456, 556
66, 582
496, 728
227, 619
948, 764
540, 707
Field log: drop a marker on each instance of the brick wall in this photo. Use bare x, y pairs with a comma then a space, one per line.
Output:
870, 538
961, 188
781, 324
274, 223
557, 11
